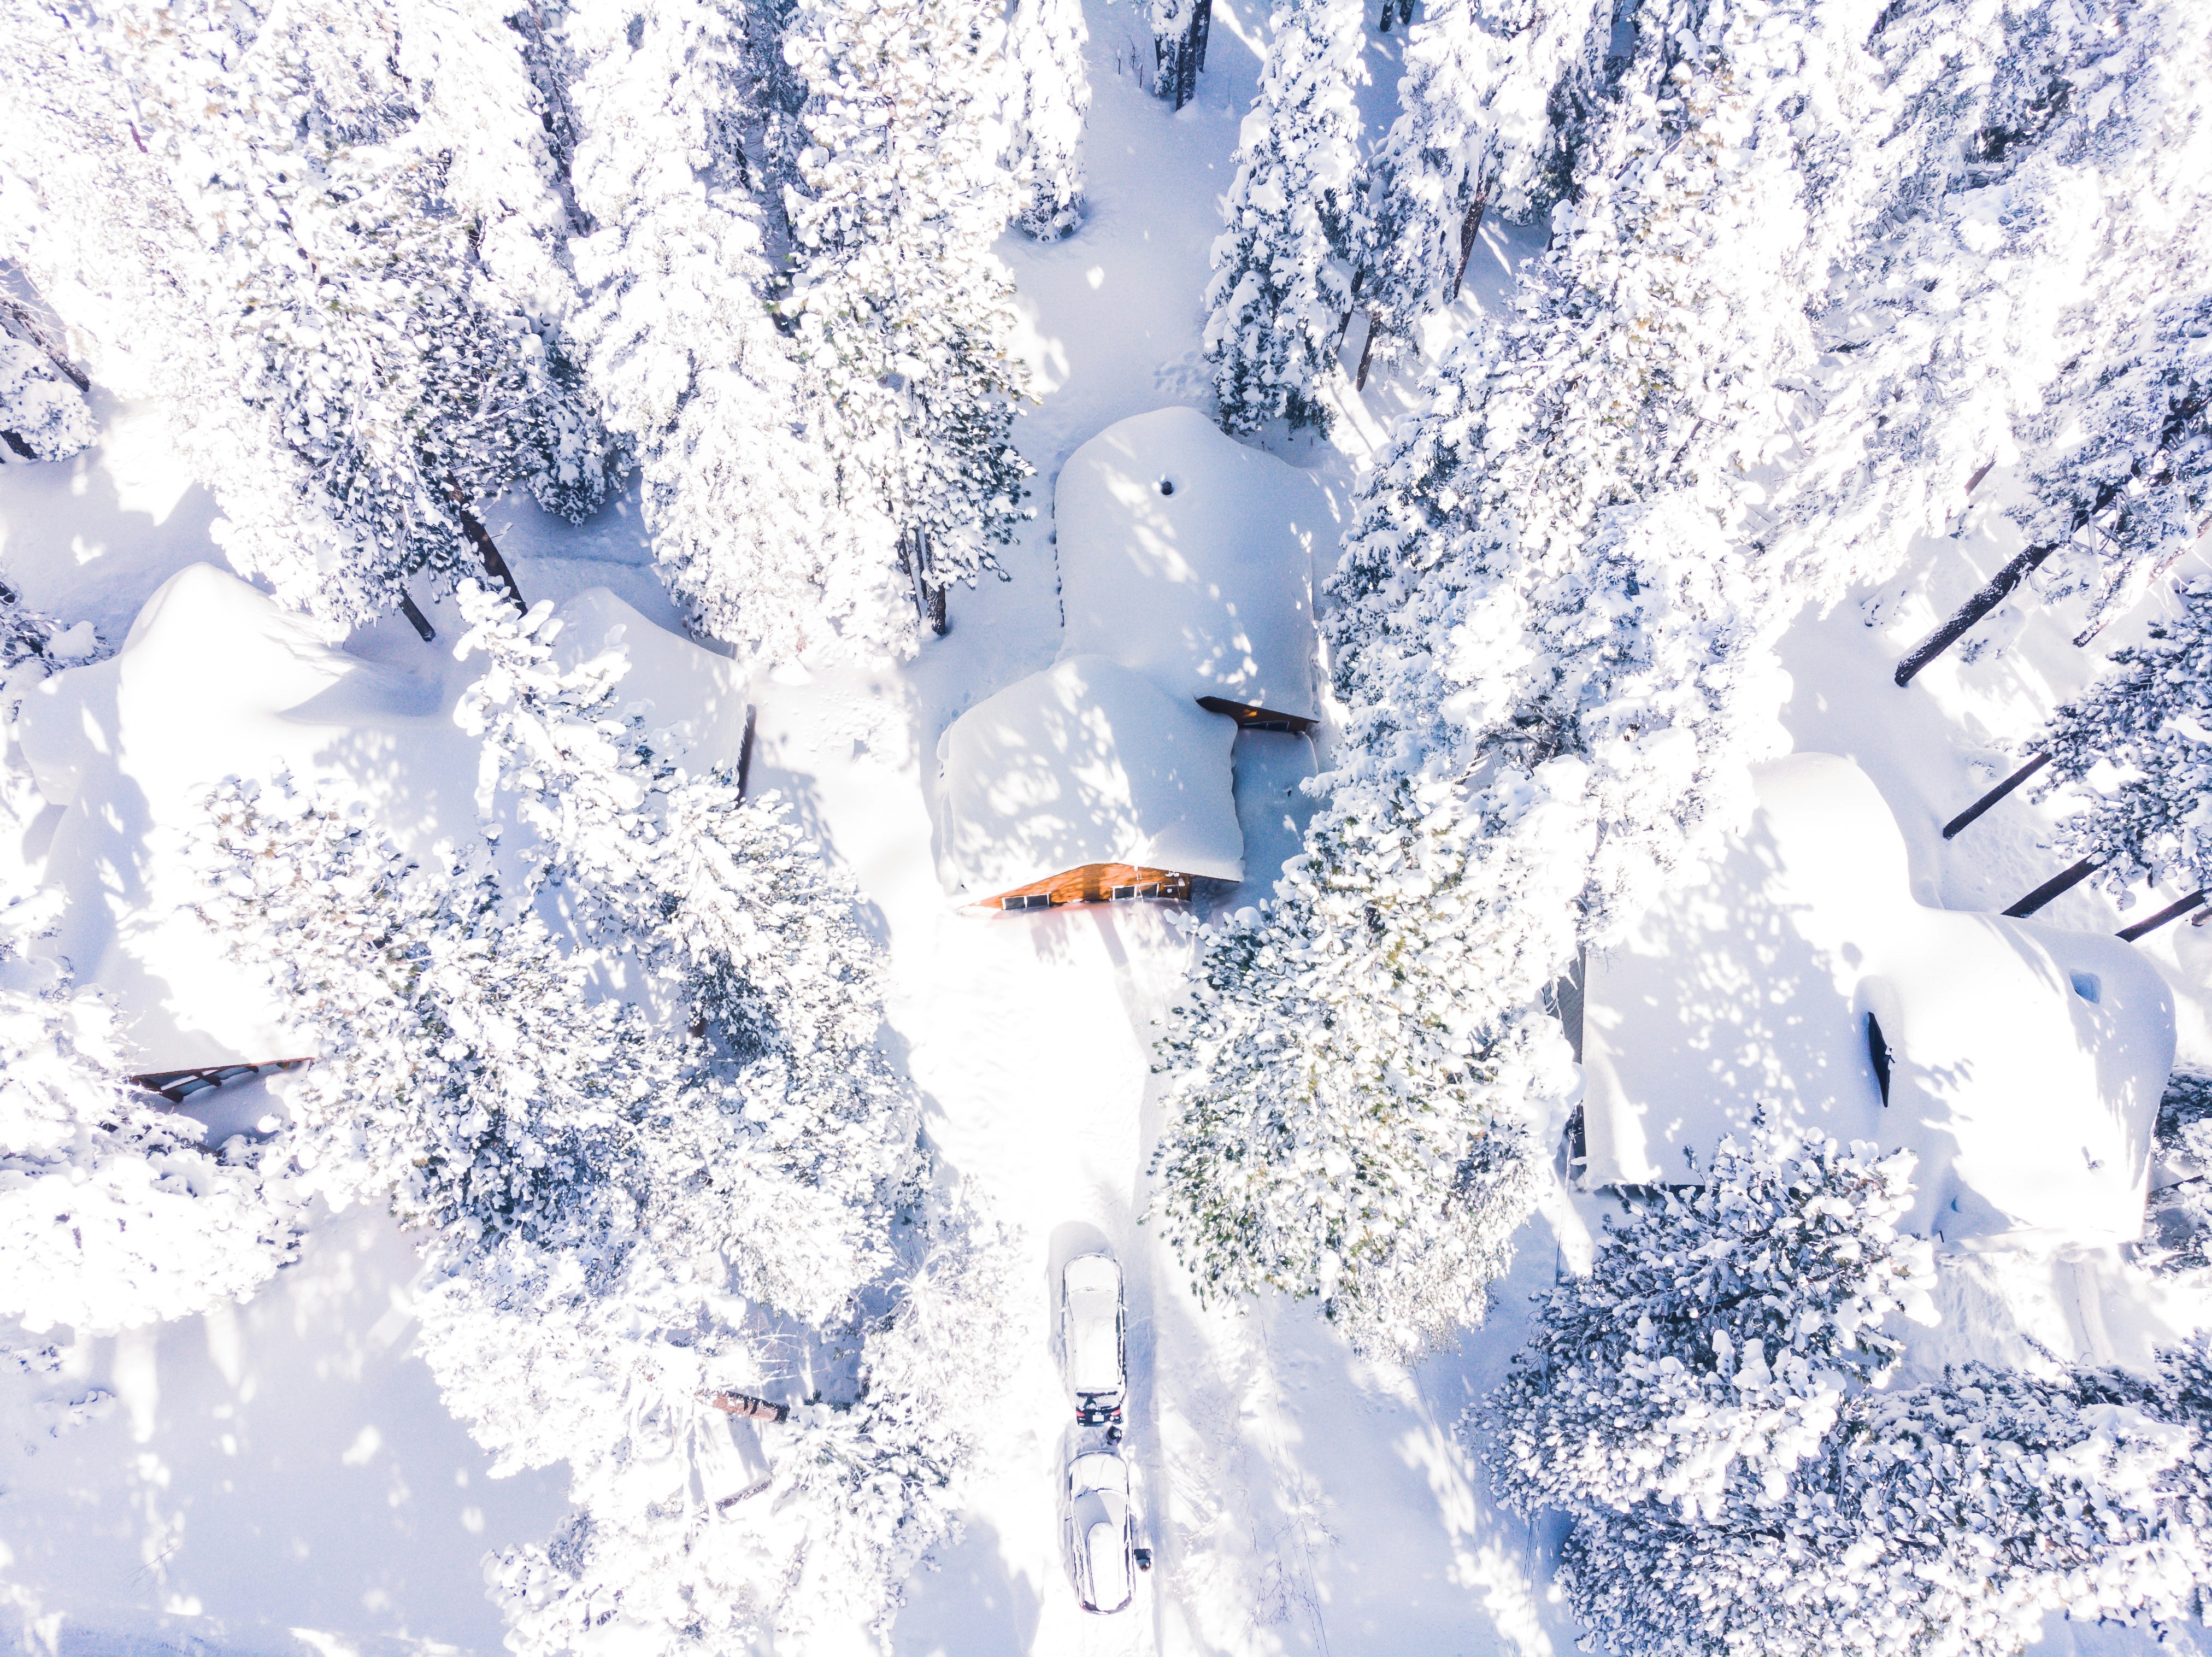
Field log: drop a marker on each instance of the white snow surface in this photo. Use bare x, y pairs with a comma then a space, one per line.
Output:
1087, 762
1188, 556
2026, 1060
281, 1477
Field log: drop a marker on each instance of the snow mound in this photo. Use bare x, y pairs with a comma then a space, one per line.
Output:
1188, 556
692, 701
215, 679
2025, 1063
1084, 763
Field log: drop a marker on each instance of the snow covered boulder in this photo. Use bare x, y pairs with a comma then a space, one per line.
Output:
1188, 556
1085, 782
2021, 1063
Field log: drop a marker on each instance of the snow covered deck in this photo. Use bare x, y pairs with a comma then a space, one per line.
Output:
1188, 556
1080, 769
2024, 1062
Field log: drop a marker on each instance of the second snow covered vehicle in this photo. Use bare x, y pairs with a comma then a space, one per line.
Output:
1099, 1531
1090, 1337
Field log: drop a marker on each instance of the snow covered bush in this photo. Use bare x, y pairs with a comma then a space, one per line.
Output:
1719, 1331
43, 416
901, 315
1951, 1517
1047, 100
1282, 266
2136, 749
1478, 130
113, 1213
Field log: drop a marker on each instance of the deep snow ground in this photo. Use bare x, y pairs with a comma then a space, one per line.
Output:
282, 1477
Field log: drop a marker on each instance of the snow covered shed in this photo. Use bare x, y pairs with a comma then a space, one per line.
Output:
1082, 783
2021, 1063
1188, 556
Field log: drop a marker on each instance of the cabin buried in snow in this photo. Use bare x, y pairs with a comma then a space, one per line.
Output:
2021, 1063
1186, 569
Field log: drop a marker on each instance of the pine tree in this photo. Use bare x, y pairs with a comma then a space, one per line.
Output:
1718, 1332
367, 258
2085, 123
902, 315
1553, 634
1954, 1516
2180, 1218
2136, 749
1282, 267
680, 346
1047, 100
1479, 131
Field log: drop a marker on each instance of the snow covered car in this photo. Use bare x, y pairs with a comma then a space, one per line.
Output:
1090, 1337
1099, 1531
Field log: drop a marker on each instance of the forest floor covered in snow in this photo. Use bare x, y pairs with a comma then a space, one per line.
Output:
281, 1477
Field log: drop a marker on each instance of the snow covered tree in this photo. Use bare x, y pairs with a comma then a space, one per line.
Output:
1477, 132
462, 1071
1719, 1331
43, 415
2136, 749
681, 347
2123, 447
113, 1213
1950, 1517
2043, 169
1282, 266
1553, 635
1180, 29
367, 258
902, 316
1048, 100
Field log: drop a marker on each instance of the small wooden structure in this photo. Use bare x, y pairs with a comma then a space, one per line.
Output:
1097, 883
181, 1086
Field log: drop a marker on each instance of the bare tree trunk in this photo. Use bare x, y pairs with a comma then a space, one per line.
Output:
745, 751
1470, 227
420, 622
16, 441
1999, 589
1366, 352
1974, 811
2171, 913
2057, 887
487, 549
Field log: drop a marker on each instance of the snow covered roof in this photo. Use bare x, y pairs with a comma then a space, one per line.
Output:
1188, 556
2026, 1062
1084, 763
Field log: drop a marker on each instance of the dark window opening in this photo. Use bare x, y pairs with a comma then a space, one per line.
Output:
1027, 900
1878, 1050
1167, 485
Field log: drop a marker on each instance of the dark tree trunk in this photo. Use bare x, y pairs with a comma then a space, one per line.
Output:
416, 620
1470, 227
1999, 589
2172, 912
1974, 811
1180, 61
1366, 353
928, 593
16, 443
2057, 887
487, 549
25, 324
745, 751
1980, 473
